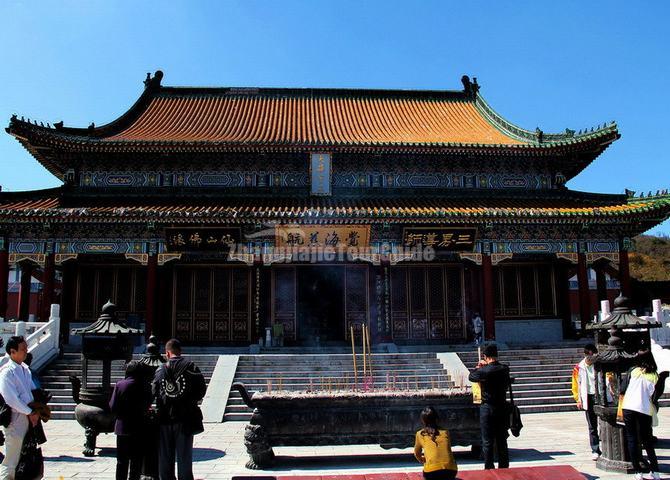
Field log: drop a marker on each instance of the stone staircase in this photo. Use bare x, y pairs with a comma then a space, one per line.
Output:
302, 372
55, 378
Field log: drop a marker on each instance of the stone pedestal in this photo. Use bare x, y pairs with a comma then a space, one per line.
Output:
612, 442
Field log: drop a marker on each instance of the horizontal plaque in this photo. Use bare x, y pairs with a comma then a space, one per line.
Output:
440, 239
191, 239
334, 236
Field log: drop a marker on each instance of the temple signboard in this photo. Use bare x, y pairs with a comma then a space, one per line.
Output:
321, 236
320, 173
440, 239
201, 239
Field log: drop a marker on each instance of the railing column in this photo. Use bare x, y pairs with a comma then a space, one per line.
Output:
55, 327
20, 329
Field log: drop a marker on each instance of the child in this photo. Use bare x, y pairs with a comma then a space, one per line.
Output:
433, 448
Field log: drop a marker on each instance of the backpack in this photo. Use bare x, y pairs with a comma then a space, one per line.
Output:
173, 385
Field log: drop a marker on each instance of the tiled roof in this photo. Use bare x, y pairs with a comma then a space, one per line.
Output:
314, 119
276, 117
327, 209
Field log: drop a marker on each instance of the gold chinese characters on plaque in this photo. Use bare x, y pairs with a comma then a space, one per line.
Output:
440, 239
321, 236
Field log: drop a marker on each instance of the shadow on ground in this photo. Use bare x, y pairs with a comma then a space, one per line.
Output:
206, 454
69, 458
396, 460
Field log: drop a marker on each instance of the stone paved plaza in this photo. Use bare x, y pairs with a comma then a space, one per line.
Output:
547, 439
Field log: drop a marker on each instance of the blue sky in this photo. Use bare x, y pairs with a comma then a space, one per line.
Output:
540, 63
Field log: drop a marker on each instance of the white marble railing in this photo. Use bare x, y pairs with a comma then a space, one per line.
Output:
42, 338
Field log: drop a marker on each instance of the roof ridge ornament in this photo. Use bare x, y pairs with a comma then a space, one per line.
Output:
155, 81
470, 88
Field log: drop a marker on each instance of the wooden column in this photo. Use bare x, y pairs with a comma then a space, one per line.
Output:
4, 281
584, 298
48, 282
68, 298
24, 292
624, 273
487, 278
601, 284
152, 266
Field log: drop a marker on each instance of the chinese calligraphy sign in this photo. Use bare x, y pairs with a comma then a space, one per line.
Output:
440, 239
319, 168
201, 239
315, 236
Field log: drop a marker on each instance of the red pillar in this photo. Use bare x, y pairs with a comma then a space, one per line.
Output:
4, 281
584, 297
48, 287
152, 266
24, 292
624, 273
487, 277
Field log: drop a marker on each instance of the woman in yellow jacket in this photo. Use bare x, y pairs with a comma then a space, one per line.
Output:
432, 448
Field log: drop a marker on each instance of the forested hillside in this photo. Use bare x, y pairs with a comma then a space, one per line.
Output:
650, 259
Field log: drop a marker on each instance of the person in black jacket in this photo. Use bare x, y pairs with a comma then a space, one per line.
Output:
495, 381
178, 386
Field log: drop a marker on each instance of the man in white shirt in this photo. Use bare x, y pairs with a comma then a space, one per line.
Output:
584, 392
16, 386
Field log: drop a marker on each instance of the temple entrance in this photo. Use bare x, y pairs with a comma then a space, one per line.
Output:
211, 304
318, 304
428, 303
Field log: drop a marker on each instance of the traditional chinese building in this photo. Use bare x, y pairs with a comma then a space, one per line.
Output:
213, 213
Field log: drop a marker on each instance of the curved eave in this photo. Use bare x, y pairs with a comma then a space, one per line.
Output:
647, 213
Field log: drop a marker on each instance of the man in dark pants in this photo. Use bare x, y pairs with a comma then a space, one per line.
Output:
178, 386
584, 393
494, 380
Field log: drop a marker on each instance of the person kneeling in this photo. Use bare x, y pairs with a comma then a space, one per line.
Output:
432, 448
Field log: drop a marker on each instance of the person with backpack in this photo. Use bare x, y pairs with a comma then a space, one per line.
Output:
16, 385
178, 387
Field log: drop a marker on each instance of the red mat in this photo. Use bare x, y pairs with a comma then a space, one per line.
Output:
559, 472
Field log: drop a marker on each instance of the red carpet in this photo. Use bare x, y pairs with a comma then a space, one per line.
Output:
560, 472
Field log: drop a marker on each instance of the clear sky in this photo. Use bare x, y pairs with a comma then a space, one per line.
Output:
550, 64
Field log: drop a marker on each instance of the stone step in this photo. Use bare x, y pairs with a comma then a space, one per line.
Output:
521, 387
554, 400
547, 408
520, 394
237, 417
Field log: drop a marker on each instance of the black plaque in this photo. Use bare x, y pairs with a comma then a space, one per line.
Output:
441, 239
190, 239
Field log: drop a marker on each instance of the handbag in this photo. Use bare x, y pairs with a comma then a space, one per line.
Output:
514, 415
31, 461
